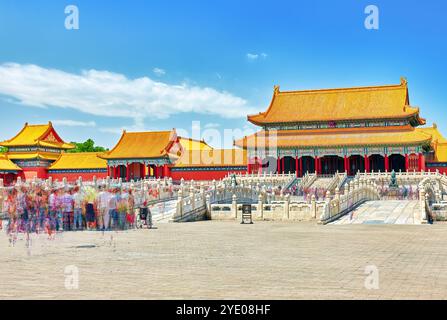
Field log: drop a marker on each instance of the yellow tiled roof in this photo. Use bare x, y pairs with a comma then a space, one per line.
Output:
32, 155
81, 160
379, 102
192, 144
399, 135
49, 144
149, 144
7, 165
212, 158
37, 135
439, 143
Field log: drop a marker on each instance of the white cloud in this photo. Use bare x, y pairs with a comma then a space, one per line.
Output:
73, 123
159, 72
256, 56
252, 56
105, 93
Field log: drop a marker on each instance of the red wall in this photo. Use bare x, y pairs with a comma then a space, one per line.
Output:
29, 173
71, 177
202, 175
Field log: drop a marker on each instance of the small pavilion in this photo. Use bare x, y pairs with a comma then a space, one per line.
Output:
143, 154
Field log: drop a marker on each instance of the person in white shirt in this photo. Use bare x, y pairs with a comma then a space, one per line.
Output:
103, 204
78, 199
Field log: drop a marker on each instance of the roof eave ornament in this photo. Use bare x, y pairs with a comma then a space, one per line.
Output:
403, 81
275, 89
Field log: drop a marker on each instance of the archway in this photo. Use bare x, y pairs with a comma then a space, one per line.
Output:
377, 163
397, 162
308, 164
356, 163
289, 165
332, 164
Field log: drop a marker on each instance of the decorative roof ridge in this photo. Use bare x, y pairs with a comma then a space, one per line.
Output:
344, 89
160, 131
86, 152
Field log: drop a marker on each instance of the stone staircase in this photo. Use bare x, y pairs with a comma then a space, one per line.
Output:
384, 212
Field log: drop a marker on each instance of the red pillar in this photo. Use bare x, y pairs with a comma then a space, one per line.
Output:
142, 171
421, 162
316, 165
387, 163
260, 165
301, 167
407, 162
248, 166
165, 170
282, 165
297, 171
127, 172
278, 165
366, 163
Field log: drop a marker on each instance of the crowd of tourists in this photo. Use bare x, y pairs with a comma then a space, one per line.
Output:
70, 208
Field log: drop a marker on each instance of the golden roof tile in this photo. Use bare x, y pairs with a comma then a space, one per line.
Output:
141, 145
212, 158
35, 135
81, 160
7, 165
371, 136
357, 103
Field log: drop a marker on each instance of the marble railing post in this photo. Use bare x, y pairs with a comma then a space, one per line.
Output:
422, 206
337, 199
234, 206
192, 198
179, 209
286, 207
313, 207
352, 191
260, 207
208, 206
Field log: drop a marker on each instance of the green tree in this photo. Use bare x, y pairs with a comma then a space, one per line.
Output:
86, 146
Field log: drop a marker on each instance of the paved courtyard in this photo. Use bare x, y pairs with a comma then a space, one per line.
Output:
220, 260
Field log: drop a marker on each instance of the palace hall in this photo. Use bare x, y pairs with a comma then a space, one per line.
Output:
357, 129
346, 130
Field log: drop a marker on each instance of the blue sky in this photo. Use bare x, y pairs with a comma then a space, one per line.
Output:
155, 65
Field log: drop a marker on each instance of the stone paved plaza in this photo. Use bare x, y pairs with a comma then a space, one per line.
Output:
227, 260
